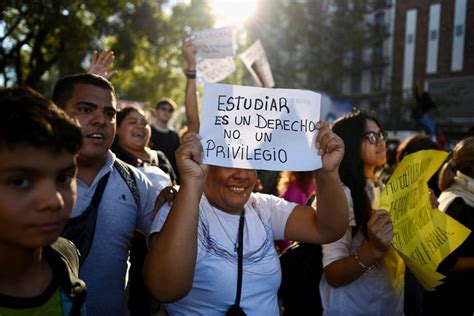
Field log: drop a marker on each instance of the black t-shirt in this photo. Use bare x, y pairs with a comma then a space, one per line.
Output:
167, 142
454, 297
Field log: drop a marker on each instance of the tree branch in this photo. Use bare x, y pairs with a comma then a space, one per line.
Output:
12, 27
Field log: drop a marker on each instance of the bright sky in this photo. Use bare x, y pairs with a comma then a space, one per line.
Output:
232, 12
227, 12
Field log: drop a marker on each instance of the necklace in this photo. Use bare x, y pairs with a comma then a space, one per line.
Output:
234, 242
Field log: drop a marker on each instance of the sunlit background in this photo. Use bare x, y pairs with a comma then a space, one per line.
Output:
231, 12
366, 53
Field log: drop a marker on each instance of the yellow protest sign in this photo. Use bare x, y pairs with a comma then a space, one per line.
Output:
423, 236
427, 278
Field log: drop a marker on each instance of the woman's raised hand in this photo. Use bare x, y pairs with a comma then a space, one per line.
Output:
101, 63
189, 159
189, 53
330, 147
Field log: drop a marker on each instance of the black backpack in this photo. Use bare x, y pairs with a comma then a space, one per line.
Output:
64, 260
81, 229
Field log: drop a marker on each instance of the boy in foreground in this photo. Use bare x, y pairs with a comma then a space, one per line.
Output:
38, 147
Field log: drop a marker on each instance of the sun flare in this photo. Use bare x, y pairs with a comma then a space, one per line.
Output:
232, 12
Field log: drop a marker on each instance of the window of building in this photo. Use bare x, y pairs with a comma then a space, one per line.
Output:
377, 52
376, 77
355, 82
380, 22
409, 51
457, 55
433, 39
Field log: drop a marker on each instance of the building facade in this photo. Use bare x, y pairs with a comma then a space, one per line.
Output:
434, 52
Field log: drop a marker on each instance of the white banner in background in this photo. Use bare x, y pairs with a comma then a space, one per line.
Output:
257, 63
215, 70
260, 128
214, 43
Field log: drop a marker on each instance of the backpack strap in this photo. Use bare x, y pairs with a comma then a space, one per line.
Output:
154, 161
64, 259
81, 229
127, 175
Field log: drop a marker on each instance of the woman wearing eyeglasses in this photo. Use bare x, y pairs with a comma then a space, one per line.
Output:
362, 273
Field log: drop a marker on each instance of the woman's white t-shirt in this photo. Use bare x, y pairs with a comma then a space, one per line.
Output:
373, 293
215, 278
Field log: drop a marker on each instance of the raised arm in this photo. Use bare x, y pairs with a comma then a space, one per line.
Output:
331, 219
169, 266
101, 64
190, 100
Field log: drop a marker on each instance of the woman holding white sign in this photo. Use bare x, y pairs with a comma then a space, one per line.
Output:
213, 252
362, 273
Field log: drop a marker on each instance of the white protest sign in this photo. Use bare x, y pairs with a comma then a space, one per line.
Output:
214, 70
259, 128
256, 62
214, 43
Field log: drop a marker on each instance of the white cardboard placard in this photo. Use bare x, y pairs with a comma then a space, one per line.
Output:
260, 128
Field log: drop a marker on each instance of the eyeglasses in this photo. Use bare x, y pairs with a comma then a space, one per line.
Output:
374, 137
167, 109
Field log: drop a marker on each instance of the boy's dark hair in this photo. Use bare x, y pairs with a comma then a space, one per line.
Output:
64, 87
28, 118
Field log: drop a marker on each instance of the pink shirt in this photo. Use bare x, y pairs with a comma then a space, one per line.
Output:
296, 194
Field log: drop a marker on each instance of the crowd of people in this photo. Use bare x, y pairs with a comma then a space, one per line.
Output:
90, 223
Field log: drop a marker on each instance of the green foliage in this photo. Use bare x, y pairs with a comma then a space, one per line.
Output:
307, 42
43, 40
40, 35
148, 54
